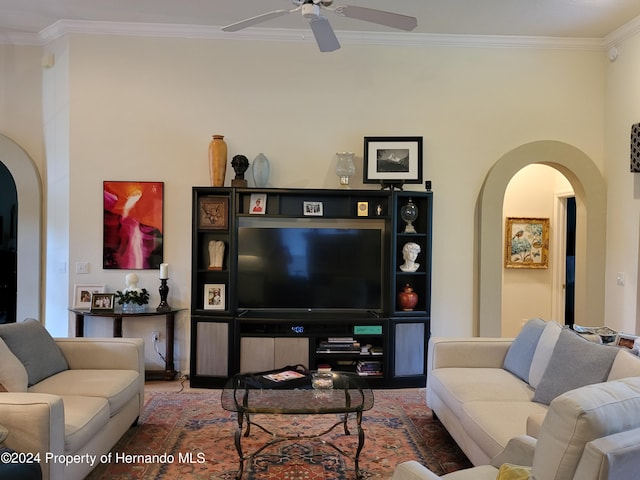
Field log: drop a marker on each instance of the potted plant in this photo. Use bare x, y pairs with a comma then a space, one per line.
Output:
132, 299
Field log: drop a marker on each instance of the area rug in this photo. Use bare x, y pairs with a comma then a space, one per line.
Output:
189, 436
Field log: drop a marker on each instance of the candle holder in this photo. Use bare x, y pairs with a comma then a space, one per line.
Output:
164, 291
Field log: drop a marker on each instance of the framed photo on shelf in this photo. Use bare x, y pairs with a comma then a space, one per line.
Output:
214, 296
526, 243
258, 205
625, 340
102, 302
312, 209
392, 160
83, 292
363, 209
213, 213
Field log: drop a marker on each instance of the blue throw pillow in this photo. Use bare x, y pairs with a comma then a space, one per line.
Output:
574, 363
520, 354
35, 348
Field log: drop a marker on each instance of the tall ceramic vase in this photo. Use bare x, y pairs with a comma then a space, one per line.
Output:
217, 160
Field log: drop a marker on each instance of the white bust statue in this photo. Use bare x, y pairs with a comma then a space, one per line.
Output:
131, 279
216, 254
410, 252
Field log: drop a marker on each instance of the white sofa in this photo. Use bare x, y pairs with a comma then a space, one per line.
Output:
81, 410
589, 433
474, 392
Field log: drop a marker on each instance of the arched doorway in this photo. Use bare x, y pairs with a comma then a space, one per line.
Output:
590, 194
29, 220
8, 245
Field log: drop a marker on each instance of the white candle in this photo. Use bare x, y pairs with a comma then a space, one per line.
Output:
164, 270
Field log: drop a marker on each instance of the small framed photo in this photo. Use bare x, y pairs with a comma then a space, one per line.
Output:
258, 205
392, 160
526, 243
102, 302
214, 296
213, 213
626, 340
363, 209
83, 292
312, 209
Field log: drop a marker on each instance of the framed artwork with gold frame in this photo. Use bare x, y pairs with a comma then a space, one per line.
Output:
526, 243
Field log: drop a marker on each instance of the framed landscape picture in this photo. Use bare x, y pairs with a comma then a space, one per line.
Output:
526, 243
392, 160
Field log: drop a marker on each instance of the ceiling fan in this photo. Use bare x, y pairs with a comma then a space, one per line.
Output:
320, 26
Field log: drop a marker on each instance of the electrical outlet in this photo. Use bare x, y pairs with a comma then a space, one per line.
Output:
155, 336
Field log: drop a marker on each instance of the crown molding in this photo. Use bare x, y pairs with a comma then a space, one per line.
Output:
21, 38
626, 31
68, 27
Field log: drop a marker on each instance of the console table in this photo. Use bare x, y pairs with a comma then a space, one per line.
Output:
169, 372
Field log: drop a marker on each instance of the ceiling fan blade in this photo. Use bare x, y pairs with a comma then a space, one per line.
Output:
389, 19
255, 20
325, 36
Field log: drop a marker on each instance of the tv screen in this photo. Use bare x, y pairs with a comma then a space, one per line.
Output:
310, 267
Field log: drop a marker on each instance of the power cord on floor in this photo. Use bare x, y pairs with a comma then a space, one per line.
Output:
183, 378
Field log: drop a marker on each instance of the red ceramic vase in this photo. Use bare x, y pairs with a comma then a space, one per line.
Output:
407, 298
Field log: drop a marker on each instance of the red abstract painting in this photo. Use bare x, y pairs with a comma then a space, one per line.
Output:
133, 225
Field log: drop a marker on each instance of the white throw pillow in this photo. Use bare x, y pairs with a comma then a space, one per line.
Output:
543, 352
625, 365
13, 375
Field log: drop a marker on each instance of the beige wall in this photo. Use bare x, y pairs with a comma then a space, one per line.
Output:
528, 293
21, 98
623, 202
145, 108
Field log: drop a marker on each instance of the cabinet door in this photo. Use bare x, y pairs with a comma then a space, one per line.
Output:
256, 354
409, 349
291, 351
212, 349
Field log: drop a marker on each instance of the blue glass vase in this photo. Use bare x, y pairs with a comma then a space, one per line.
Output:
260, 170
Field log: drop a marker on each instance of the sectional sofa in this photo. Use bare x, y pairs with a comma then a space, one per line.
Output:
67, 401
486, 391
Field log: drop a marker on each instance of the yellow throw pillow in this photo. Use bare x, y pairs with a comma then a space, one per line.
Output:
508, 471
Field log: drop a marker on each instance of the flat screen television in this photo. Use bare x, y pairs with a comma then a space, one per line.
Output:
310, 265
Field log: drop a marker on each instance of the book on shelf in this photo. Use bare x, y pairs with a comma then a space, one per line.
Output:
369, 368
328, 347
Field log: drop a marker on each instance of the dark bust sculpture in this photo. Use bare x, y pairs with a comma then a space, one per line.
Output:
240, 163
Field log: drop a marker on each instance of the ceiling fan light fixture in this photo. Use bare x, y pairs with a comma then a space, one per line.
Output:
310, 10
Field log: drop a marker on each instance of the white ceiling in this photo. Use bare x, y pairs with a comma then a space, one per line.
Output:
539, 18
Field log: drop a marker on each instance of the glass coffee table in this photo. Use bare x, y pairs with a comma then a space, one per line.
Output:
248, 395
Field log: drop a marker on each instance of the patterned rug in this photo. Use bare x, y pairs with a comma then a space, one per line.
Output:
190, 436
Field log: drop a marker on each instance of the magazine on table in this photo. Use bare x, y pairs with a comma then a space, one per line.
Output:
284, 376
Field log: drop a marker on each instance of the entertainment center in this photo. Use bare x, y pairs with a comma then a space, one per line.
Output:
309, 276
